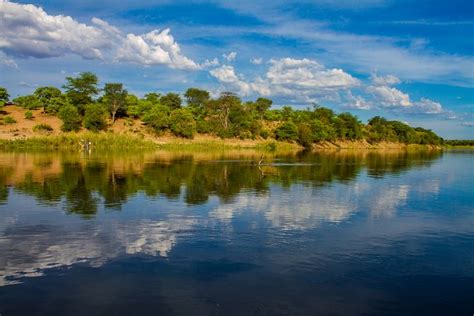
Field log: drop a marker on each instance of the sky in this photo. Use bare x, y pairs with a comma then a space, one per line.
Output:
407, 60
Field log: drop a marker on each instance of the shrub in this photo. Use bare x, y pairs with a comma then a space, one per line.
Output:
287, 131
28, 115
70, 117
182, 123
264, 133
305, 135
95, 117
157, 118
42, 128
9, 120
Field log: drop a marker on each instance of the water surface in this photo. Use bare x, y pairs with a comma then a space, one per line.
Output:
341, 233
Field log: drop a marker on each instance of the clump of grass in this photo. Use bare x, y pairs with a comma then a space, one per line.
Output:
42, 128
28, 115
9, 120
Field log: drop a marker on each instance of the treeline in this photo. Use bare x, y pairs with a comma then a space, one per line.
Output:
459, 142
83, 104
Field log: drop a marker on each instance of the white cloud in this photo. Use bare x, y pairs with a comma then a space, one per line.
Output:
6, 61
387, 80
306, 73
230, 56
28, 31
210, 63
389, 97
256, 61
298, 79
226, 74
154, 48
426, 106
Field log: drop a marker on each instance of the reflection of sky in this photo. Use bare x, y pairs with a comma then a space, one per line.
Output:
363, 216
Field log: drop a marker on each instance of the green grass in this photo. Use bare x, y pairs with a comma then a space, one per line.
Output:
72, 141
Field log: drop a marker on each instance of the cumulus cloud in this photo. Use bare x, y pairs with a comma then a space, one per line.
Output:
226, 75
389, 96
297, 78
29, 31
230, 56
154, 48
256, 61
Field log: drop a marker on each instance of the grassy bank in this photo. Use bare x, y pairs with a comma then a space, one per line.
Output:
131, 142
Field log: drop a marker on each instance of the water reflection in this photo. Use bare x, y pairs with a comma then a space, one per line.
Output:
305, 220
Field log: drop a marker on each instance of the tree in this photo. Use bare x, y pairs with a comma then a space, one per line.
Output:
182, 123
262, 105
115, 97
82, 89
222, 107
70, 117
287, 131
157, 118
45, 96
305, 135
30, 102
196, 97
171, 100
4, 96
94, 118
153, 97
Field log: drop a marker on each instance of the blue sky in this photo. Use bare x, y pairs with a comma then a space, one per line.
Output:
406, 60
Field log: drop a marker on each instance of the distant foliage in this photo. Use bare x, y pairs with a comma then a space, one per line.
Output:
225, 116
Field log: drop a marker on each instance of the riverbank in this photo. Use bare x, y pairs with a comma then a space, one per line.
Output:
24, 133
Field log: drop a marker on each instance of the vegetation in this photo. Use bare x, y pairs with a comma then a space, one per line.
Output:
9, 120
226, 116
42, 128
28, 115
460, 142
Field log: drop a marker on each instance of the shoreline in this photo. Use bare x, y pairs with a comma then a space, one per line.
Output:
129, 141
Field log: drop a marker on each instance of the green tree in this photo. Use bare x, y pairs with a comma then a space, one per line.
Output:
157, 118
153, 97
305, 135
171, 100
95, 117
70, 117
29, 102
4, 96
115, 98
287, 131
82, 89
262, 105
182, 123
196, 98
46, 95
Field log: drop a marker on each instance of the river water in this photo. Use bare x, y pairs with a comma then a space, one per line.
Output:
339, 233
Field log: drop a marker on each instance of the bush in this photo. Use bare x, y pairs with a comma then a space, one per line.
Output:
264, 133
287, 131
182, 123
71, 118
9, 120
305, 136
42, 128
95, 117
157, 118
28, 115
